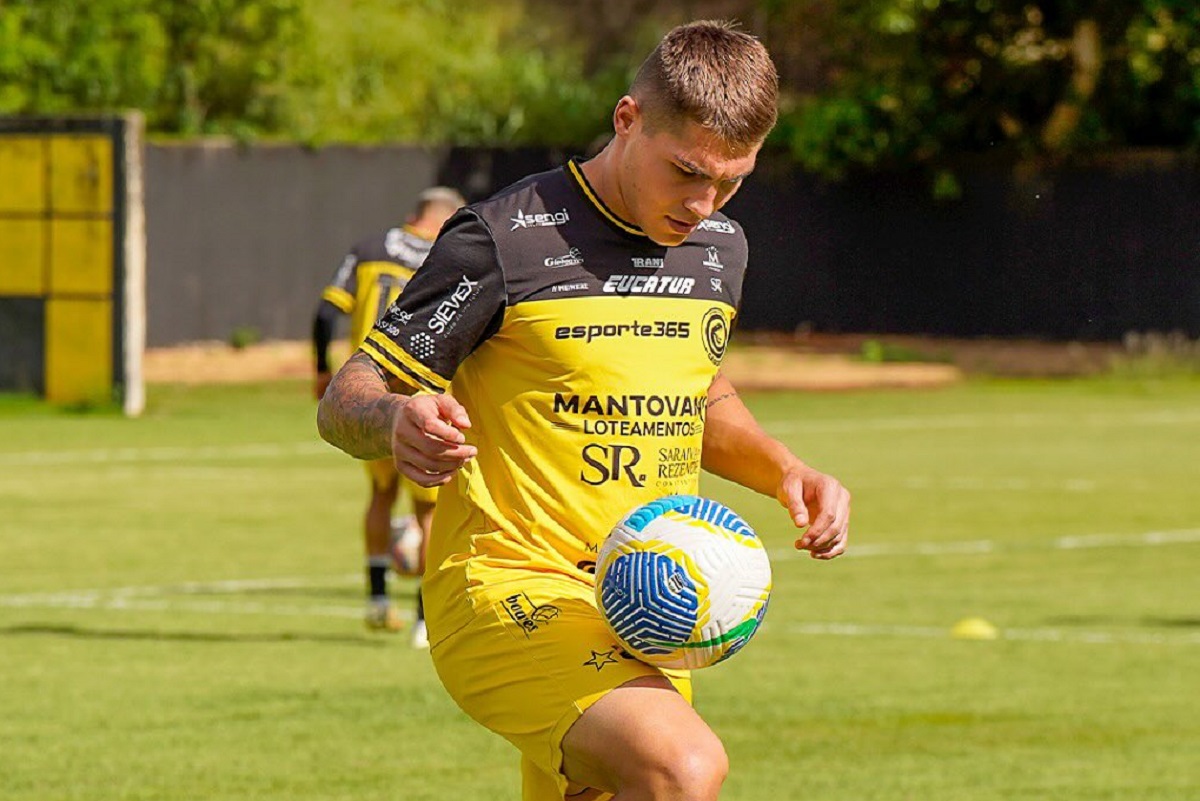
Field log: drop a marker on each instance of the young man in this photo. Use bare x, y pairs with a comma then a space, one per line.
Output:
555, 364
371, 276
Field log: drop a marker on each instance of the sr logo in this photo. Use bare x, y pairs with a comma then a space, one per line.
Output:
604, 463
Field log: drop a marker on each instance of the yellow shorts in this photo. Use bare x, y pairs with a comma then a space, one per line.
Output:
382, 473
536, 655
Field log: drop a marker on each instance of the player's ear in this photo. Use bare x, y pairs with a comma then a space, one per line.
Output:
627, 116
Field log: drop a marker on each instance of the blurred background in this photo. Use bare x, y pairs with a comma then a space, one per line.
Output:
997, 168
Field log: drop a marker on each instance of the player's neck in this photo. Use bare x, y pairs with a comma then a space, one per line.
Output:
601, 174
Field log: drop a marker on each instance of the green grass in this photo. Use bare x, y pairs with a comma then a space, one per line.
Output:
129, 672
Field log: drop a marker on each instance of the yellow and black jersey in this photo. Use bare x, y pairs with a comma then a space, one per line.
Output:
583, 353
373, 274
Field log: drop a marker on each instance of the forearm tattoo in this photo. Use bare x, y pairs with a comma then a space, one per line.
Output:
356, 412
720, 398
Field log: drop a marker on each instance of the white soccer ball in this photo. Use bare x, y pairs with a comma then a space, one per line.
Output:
683, 582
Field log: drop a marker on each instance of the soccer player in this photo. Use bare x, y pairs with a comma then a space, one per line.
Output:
371, 276
554, 364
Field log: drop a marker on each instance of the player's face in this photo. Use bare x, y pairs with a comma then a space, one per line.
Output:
671, 180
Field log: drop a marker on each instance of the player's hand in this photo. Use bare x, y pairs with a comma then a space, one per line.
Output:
321, 383
428, 445
821, 503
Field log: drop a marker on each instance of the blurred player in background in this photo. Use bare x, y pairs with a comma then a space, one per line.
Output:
372, 275
555, 364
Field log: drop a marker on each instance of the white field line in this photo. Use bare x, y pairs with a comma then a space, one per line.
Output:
967, 421
1018, 635
129, 597
968, 547
166, 454
909, 423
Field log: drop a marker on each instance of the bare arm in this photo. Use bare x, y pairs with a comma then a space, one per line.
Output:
736, 448
370, 414
357, 411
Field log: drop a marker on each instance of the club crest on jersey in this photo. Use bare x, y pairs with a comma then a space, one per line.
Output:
715, 334
544, 220
649, 284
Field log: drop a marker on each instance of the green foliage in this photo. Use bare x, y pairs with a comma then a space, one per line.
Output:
866, 84
203, 66
443, 72
928, 79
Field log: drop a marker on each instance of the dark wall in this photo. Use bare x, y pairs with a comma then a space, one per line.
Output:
1058, 253
247, 237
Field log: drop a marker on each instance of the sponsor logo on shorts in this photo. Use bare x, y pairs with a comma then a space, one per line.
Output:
601, 658
544, 220
526, 614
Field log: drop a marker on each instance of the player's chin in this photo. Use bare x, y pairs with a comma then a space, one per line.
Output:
670, 234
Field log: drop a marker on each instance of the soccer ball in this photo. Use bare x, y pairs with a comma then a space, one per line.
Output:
683, 582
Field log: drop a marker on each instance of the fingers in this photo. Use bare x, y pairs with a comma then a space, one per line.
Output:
428, 445
828, 514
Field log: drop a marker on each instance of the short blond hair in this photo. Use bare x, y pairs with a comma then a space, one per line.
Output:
714, 75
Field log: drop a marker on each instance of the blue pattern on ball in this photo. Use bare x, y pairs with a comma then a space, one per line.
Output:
704, 509
649, 598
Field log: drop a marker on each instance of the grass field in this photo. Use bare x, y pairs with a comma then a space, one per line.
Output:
180, 600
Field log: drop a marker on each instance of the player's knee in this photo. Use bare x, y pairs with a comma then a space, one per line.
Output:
693, 769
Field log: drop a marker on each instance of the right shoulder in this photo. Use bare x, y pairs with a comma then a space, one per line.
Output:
537, 201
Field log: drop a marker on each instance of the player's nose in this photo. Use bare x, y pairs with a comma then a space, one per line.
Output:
702, 205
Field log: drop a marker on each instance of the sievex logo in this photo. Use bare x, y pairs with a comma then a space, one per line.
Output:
443, 319
573, 258
543, 220
641, 263
649, 284
716, 226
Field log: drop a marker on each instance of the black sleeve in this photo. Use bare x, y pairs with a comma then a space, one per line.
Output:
453, 303
322, 333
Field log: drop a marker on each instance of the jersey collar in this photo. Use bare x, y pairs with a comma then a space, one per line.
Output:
576, 172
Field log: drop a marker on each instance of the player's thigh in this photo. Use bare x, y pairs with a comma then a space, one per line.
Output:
645, 728
535, 657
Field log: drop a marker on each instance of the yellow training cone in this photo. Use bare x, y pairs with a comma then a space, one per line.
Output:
974, 628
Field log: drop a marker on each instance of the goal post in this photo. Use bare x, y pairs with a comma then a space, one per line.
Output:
72, 259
